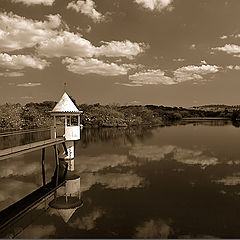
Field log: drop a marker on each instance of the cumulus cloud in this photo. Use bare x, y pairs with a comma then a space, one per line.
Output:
193, 46
182, 74
87, 222
12, 74
29, 84
231, 67
178, 59
153, 229
223, 37
21, 61
38, 231
157, 5
66, 44
87, 8
72, 45
17, 32
35, 2
120, 49
193, 72
84, 66
150, 77
230, 49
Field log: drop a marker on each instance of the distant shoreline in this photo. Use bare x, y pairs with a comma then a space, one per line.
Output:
205, 118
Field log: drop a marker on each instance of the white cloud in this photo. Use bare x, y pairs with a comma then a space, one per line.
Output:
29, 84
157, 5
21, 61
153, 229
87, 8
17, 32
120, 49
193, 72
231, 67
66, 44
86, 66
182, 74
12, 74
224, 37
150, 77
178, 59
230, 49
193, 46
70, 44
35, 2
26, 97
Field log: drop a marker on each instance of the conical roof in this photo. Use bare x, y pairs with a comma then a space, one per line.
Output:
65, 105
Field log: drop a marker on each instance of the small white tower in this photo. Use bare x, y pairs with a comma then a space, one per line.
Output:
66, 109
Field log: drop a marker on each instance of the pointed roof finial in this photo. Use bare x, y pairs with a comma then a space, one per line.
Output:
65, 86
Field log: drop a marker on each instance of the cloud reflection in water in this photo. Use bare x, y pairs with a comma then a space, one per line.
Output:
185, 156
153, 229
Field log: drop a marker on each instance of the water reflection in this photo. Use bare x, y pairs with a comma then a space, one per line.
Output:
185, 156
154, 229
172, 182
23, 138
67, 199
114, 135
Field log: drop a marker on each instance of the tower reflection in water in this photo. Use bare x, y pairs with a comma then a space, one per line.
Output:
67, 199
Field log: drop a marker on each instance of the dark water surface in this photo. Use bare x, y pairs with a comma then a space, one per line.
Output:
171, 182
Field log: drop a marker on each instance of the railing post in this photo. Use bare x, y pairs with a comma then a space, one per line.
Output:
57, 163
43, 166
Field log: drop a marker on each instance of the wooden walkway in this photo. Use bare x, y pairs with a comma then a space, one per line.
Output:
15, 151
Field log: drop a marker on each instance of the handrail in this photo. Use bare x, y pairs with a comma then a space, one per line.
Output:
5, 134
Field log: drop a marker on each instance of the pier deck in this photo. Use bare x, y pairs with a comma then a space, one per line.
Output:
15, 151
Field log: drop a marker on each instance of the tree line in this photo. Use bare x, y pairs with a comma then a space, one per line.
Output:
36, 115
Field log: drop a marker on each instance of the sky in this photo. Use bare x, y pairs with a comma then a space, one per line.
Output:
163, 52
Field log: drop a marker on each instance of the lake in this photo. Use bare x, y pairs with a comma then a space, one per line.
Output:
178, 181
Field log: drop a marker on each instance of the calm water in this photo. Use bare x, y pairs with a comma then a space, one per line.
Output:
172, 182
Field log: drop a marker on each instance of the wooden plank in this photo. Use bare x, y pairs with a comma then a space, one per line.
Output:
15, 151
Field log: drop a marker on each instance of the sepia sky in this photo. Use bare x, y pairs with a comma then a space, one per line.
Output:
165, 52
